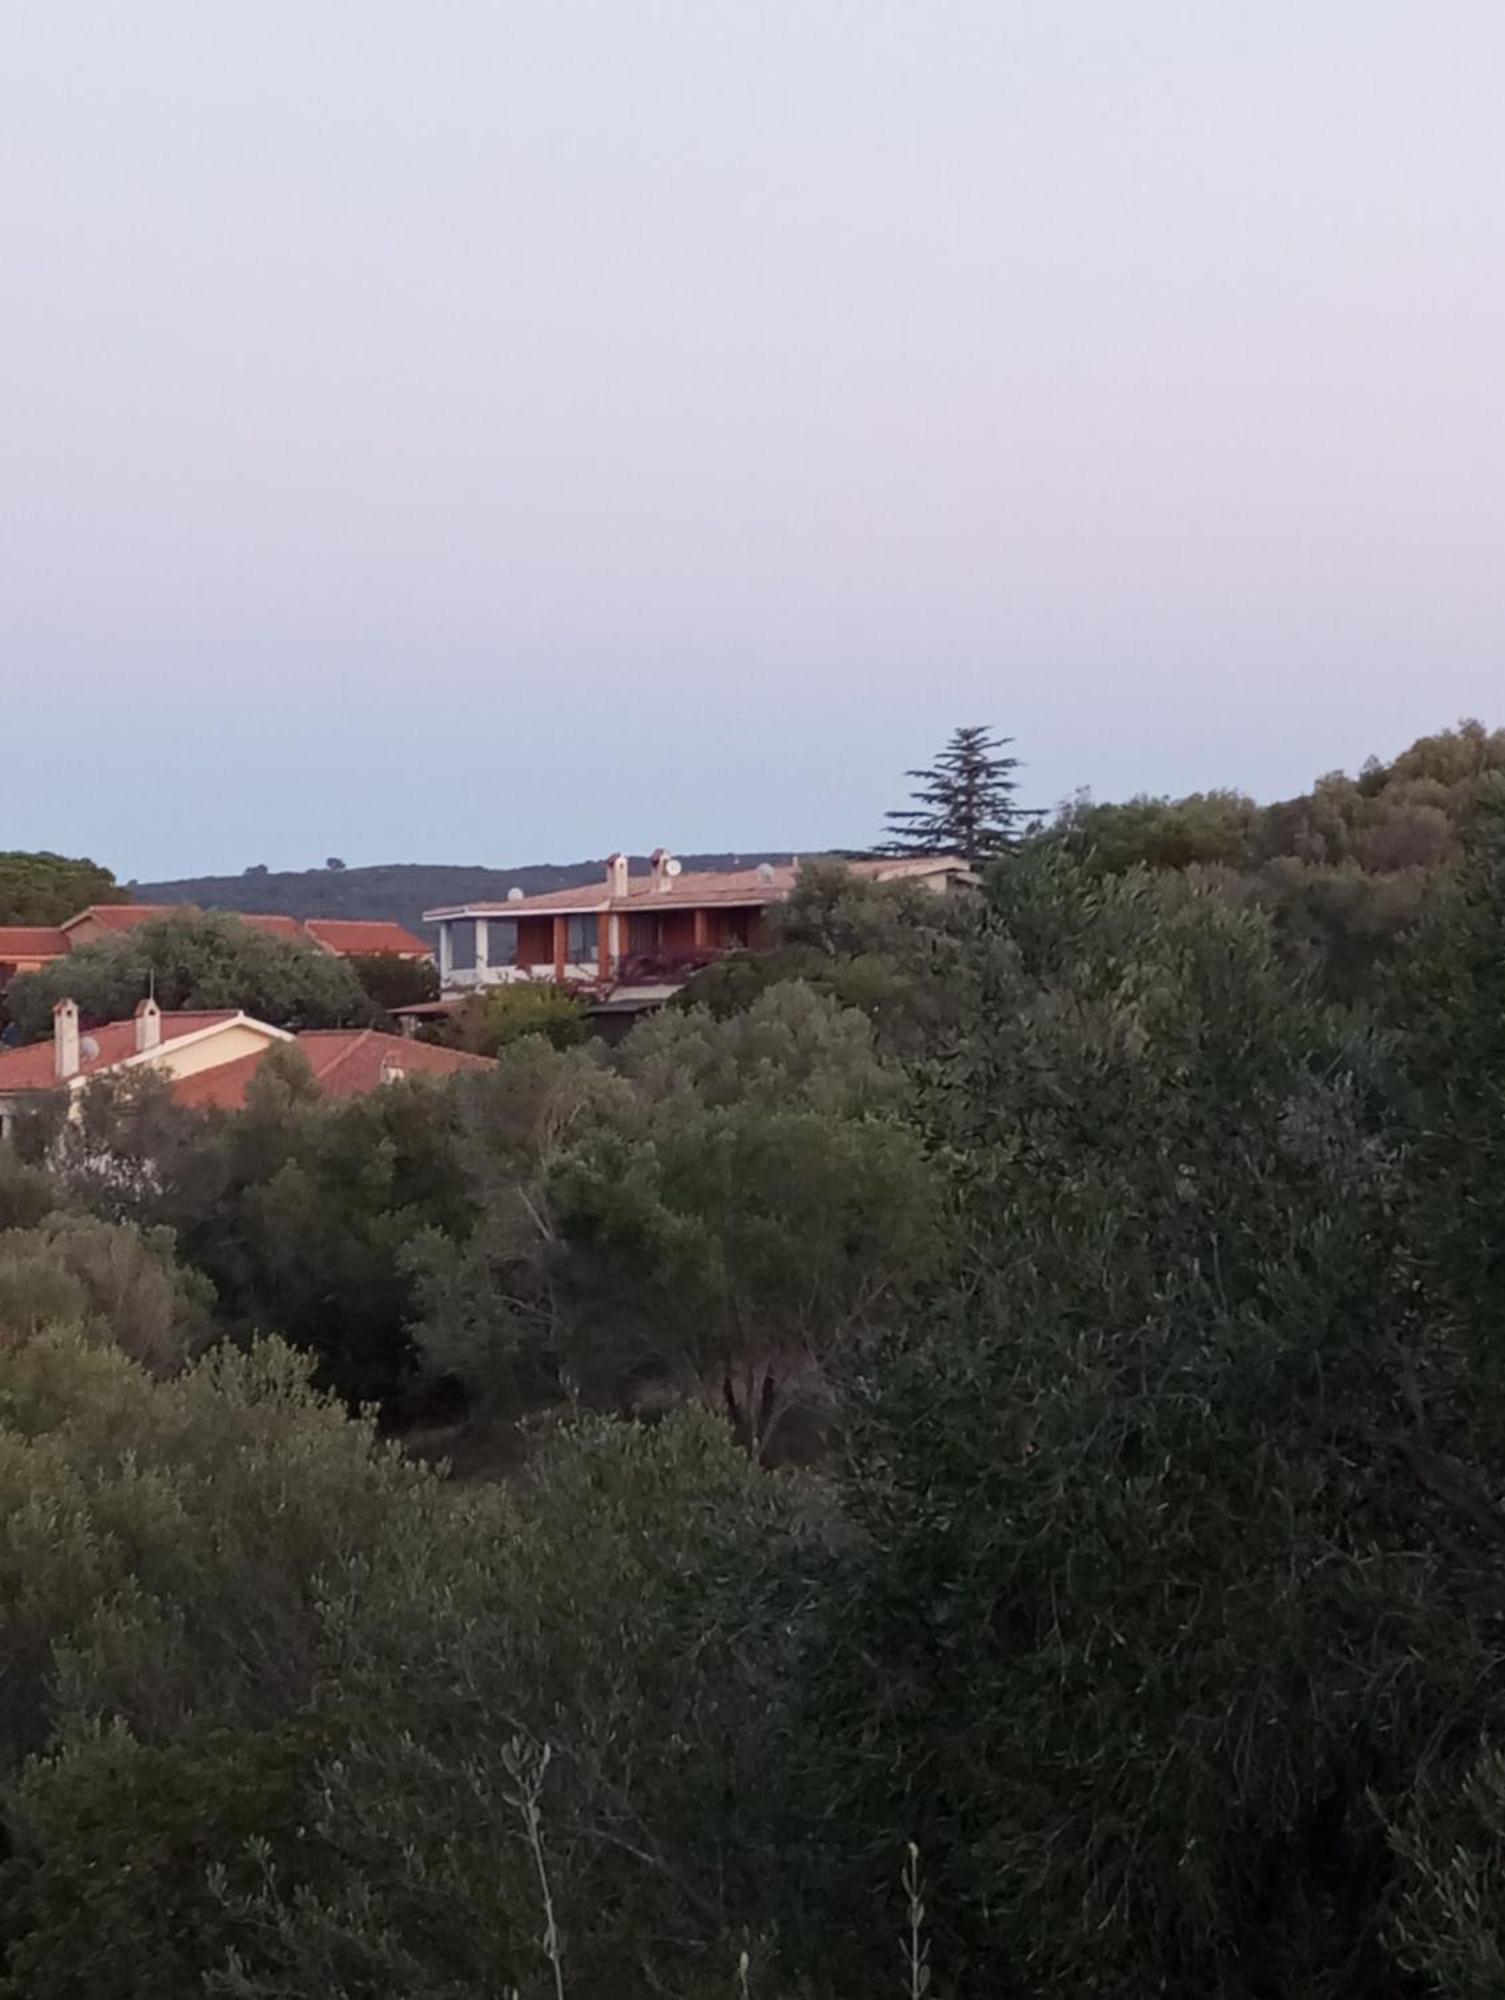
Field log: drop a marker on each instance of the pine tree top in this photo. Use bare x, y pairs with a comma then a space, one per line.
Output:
963, 802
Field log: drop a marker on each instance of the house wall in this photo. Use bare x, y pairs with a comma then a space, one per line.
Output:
645, 929
226, 1045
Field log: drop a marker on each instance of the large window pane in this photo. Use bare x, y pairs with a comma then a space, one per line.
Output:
501, 941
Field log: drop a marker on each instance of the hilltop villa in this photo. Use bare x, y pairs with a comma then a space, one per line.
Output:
636, 937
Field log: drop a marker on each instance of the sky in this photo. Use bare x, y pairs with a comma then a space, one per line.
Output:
489, 433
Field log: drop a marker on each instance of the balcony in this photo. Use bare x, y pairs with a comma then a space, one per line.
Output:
664, 968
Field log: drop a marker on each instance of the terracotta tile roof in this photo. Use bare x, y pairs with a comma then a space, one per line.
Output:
896, 867
353, 938
121, 916
747, 887
130, 916
346, 1062
287, 927
33, 1067
30, 941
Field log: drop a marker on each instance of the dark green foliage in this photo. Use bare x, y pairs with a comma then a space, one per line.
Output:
1110, 1530
193, 959
1342, 872
486, 1023
299, 1213
633, 1574
1208, 827
964, 802
167, 1550
889, 950
390, 982
726, 1219
1410, 814
117, 1843
1447, 1006
50, 888
1119, 1249
107, 1280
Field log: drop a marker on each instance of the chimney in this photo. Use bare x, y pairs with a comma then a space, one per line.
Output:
616, 875
148, 1026
665, 868
65, 1057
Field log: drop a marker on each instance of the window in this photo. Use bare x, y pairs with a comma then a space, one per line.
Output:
581, 946
642, 934
501, 941
462, 944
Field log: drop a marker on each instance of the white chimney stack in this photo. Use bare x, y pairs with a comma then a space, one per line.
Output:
148, 1026
665, 868
616, 875
65, 1055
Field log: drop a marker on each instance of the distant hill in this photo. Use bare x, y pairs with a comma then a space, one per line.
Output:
400, 890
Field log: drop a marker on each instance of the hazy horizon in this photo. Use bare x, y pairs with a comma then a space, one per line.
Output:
502, 433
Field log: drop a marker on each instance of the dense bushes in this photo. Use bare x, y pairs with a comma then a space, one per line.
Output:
1134, 1304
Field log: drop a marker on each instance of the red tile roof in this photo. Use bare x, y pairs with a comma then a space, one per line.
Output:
30, 941
747, 887
129, 916
359, 939
346, 1062
121, 916
34, 1067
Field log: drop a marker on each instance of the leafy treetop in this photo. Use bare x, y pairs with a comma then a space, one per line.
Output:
50, 888
194, 958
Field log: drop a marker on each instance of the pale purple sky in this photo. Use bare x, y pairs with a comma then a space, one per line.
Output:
483, 432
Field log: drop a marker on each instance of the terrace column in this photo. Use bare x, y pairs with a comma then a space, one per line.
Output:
604, 967
702, 930
446, 958
561, 946
483, 950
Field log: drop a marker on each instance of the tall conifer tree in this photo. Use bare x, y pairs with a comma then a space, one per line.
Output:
964, 803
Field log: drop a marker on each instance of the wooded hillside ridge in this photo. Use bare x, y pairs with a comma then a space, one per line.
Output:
399, 890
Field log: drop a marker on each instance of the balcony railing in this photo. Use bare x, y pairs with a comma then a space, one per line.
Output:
663, 968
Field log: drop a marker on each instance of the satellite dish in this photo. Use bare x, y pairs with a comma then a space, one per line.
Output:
88, 1048
674, 868
514, 895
